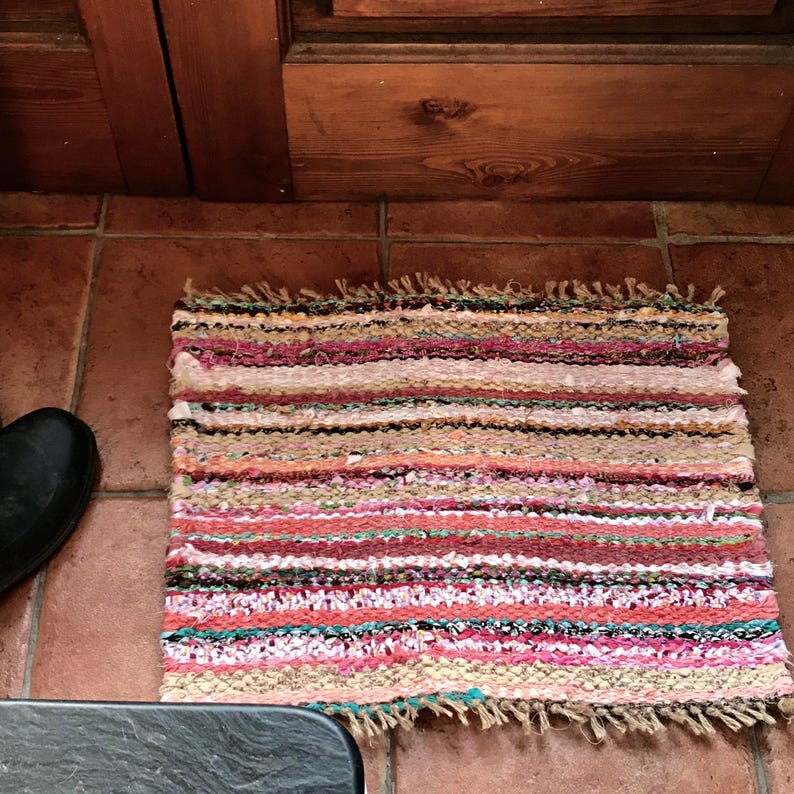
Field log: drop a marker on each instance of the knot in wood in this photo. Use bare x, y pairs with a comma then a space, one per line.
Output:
446, 107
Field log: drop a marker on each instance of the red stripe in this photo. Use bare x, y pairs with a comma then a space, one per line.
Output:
273, 521
574, 551
461, 523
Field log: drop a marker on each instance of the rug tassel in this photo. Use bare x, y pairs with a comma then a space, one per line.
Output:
673, 290
598, 729
426, 284
581, 291
722, 714
702, 719
652, 294
435, 707
606, 714
682, 718
460, 709
717, 293
786, 707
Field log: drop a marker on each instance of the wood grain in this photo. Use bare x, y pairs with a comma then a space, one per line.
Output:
549, 8
312, 18
226, 66
129, 61
38, 11
54, 128
778, 185
515, 131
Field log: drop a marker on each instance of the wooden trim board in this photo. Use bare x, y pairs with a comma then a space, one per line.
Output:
54, 125
226, 61
126, 46
549, 8
519, 131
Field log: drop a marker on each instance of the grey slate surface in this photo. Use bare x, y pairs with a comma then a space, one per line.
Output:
64, 747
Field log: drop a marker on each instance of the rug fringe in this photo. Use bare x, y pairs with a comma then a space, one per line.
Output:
423, 284
701, 719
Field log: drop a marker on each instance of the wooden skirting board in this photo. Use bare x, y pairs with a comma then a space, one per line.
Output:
516, 131
54, 126
549, 8
84, 99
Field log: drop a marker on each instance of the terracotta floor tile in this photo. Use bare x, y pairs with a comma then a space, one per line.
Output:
699, 218
42, 301
125, 387
777, 743
450, 758
759, 280
780, 543
48, 211
777, 751
137, 215
103, 606
373, 752
492, 220
529, 264
16, 610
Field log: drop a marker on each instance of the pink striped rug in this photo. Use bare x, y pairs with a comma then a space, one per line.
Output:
468, 500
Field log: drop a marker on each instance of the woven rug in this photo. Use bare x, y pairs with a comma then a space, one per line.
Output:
471, 501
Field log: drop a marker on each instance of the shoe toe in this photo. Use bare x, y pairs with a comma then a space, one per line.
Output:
47, 467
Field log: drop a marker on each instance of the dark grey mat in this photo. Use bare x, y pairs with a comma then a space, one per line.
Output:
59, 747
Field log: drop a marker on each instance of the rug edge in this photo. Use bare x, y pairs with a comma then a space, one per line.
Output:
422, 284
698, 718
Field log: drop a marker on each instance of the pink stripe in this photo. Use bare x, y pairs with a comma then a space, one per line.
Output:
255, 354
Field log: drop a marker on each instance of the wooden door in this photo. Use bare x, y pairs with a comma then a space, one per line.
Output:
287, 100
85, 103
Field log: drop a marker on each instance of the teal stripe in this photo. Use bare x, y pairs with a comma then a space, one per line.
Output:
756, 626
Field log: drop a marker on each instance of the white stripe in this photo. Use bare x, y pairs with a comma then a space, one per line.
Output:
188, 373
549, 417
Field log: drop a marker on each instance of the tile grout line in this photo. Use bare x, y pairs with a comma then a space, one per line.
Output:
99, 246
41, 576
80, 231
660, 219
777, 497
682, 238
33, 635
385, 242
141, 493
758, 762
389, 785
675, 239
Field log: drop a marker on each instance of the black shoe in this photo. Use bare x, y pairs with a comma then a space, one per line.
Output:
47, 466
